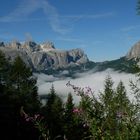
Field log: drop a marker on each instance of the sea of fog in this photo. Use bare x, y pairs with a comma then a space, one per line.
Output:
94, 80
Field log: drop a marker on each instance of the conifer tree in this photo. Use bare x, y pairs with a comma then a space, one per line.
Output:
7, 118
69, 108
51, 98
69, 124
122, 111
53, 111
23, 85
135, 119
121, 98
4, 69
108, 95
107, 100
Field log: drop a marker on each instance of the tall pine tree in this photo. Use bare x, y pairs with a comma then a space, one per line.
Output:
53, 110
107, 100
69, 124
23, 86
4, 71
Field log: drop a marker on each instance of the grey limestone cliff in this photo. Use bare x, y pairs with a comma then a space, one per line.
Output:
134, 51
43, 56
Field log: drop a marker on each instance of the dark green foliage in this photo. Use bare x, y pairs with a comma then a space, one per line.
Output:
73, 123
7, 116
122, 107
112, 116
23, 85
8, 123
53, 111
108, 95
123, 103
135, 125
69, 118
69, 109
121, 65
119, 113
51, 98
138, 7
17, 88
4, 69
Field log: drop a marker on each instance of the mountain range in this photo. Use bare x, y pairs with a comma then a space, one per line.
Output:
46, 58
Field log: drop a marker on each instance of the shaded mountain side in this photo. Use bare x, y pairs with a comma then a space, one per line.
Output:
70, 71
127, 63
121, 65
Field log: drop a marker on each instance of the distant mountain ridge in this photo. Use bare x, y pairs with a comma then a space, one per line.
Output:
134, 52
126, 63
43, 57
46, 58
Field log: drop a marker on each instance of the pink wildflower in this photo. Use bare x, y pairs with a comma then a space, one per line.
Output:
77, 111
36, 116
80, 91
27, 119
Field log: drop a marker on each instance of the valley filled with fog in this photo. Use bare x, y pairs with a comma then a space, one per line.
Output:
89, 79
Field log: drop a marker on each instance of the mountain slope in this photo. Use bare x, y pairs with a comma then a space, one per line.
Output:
123, 64
43, 57
134, 52
47, 59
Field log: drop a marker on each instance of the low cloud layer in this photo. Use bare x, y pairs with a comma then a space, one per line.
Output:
93, 80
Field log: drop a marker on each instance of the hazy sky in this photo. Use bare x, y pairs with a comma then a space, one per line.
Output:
104, 29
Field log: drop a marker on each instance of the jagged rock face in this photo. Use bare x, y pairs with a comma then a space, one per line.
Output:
30, 46
134, 52
47, 46
44, 56
1, 44
14, 45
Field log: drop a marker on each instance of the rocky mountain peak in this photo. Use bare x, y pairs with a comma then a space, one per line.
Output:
42, 57
47, 46
30, 43
14, 45
2, 44
134, 51
30, 46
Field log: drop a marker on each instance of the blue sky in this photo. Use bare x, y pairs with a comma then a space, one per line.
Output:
104, 29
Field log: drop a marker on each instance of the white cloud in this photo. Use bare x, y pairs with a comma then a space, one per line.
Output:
130, 28
66, 39
93, 80
90, 16
27, 7
59, 23
54, 18
24, 9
